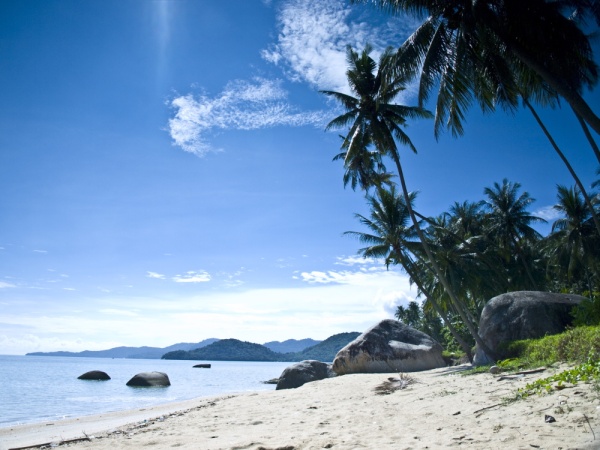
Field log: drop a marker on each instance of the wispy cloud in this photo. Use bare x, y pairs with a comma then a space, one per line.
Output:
547, 213
310, 48
158, 276
4, 285
193, 277
364, 276
354, 261
313, 36
243, 105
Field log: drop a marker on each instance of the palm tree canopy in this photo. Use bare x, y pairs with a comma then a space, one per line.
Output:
370, 115
508, 218
493, 51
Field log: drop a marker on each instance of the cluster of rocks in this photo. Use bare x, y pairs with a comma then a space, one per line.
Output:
390, 346
143, 379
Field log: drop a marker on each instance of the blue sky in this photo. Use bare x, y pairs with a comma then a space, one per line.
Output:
165, 175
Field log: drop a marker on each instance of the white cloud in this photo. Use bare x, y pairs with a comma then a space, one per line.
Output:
4, 284
313, 36
312, 40
192, 277
158, 276
548, 213
243, 105
354, 260
310, 48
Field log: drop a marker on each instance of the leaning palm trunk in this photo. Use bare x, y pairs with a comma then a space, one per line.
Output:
459, 306
562, 156
573, 98
408, 266
589, 136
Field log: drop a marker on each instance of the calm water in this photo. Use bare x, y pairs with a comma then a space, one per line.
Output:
39, 388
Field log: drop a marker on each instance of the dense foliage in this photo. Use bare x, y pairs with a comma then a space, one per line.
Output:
494, 53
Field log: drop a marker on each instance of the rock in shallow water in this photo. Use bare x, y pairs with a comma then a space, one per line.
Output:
95, 375
149, 379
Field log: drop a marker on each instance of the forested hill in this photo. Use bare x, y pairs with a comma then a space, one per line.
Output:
235, 350
325, 351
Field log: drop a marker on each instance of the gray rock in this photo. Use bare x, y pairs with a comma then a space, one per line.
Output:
522, 315
389, 346
495, 370
149, 379
95, 375
303, 372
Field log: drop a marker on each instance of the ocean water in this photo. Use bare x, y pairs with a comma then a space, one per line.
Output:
39, 388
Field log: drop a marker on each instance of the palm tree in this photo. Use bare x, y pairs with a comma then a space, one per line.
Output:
573, 245
391, 238
365, 169
372, 113
508, 222
488, 50
566, 162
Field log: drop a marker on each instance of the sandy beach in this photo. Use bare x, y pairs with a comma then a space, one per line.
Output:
438, 409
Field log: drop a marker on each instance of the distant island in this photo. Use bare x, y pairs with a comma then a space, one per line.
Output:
236, 350
129, 352
225, 350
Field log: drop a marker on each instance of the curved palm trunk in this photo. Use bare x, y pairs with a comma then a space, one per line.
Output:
578, 182
407, 264
436, 268
572, 97
589, 136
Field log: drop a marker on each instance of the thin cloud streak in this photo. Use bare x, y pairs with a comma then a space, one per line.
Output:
310, 48
243, 105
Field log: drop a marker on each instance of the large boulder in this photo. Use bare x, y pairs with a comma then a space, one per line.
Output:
149, 379
389, 346
303, 372
95, 375
522, 315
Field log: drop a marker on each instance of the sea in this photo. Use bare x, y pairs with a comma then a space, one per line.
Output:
40, 388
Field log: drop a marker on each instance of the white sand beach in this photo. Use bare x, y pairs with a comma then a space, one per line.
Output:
440, 409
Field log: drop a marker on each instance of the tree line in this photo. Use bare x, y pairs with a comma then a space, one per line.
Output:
497, 54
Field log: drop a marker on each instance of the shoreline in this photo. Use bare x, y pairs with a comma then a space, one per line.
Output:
439, 409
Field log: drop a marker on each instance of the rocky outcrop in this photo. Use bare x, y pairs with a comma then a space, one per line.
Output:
389, 346
149, 379
522, 315
303, 372
95, 375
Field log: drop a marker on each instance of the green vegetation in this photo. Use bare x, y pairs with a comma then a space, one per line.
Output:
580, 346
587, 372
227, 350
574, 345
325, 351
494, 54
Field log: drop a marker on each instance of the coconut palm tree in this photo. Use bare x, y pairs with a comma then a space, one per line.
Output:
509, 222
372, 113
573, 246
390, 237
488, 50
